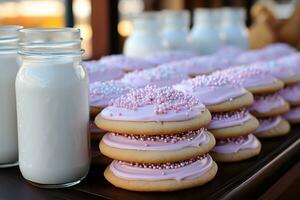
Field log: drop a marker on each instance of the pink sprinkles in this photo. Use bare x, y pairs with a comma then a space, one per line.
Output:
102, 89
234, 115
266, 120
268, 98
237, 140
164, 99
174, 165
173, 138
155, 74
237, 75
208, 80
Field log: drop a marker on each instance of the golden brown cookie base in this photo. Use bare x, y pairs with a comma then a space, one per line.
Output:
281, 129
294, 103
292, 80
274, 112
238, 156
153, 128
239, 102
160, 185
236, 131
294, 121
267, 89
156, 156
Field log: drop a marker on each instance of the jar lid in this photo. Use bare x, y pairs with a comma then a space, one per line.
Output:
176, 16
202, 15
53, 41
9, 37
147, 21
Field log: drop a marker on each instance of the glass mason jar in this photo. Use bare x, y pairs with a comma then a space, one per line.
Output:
145, 39
204, 38
9, 66
175, 29
233, 30
52, 108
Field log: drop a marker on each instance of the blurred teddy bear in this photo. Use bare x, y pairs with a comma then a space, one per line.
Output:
266, 28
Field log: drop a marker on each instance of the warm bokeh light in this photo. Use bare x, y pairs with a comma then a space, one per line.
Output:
125, 28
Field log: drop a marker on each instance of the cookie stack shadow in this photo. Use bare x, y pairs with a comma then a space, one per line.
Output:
157, 140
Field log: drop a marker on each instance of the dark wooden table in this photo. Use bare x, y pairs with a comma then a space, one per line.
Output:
244, 180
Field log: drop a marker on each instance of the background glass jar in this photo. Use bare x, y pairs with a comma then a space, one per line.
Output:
52, 107
9, 66
175, 29
233, 30
204, 37
145, 38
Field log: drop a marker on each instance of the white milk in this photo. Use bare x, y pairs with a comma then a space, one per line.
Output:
53, 117
8, 116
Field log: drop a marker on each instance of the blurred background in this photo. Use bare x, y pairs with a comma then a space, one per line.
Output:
105, 24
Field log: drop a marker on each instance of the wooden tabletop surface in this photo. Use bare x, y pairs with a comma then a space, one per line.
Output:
243, 180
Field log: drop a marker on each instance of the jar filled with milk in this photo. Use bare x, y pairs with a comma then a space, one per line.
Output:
52, 108
175, 29
145, 38
204, 37
233, 30
9, 67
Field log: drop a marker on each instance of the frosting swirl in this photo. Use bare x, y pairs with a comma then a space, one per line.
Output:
290, 93
185, 170
233, 145
157, 142
266, 124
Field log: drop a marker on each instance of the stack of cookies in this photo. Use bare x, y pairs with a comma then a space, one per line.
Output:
157, 139
291, 93
231, 123
267, 106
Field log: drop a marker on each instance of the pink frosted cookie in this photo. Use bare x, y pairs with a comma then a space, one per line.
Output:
216, 92
236, 149
156, 76
269, 106
152, 110
270, 52
100, 72
279, 70
149, 177
229, 53
291, 62
291, 94
272, 127
232, 124
169, 56
102, 92
125, 63
197, 65
257, 81
157, 148
293, 116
